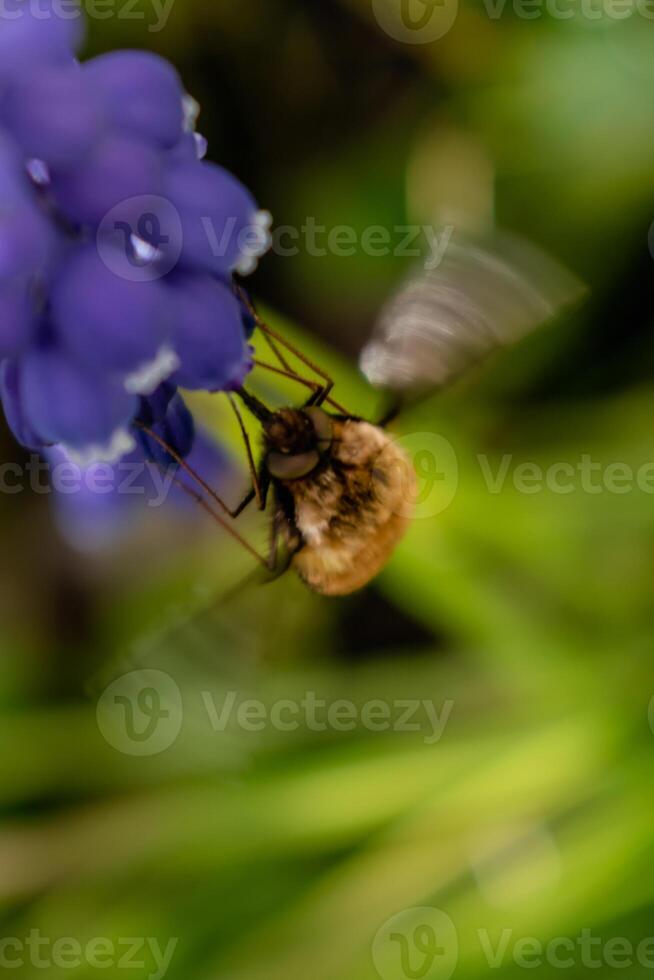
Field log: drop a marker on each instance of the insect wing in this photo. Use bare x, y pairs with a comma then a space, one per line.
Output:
480, 297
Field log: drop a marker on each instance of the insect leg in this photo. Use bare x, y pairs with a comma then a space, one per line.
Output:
199, 499
289, 372
278, 354
256, 492
318, 399
194, 475
328, 385
317, 389
273, 338
263, 480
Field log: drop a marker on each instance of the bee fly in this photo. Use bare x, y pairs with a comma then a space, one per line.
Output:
339, 505
341, 485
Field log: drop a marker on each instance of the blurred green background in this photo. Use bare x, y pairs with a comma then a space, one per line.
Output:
274, 855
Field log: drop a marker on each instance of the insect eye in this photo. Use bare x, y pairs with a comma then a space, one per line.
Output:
292, 467
322, 425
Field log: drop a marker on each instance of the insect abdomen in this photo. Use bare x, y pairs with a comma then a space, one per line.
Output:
355, 513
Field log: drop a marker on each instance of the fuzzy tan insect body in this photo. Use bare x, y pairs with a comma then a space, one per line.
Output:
347, 517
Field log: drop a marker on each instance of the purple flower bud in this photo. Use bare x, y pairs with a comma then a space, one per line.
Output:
191, 147
154, 407
17, 319
119, 170
27, 242
54, 116
208, 334
35, 35
94, 514
108, 502
141, 94
223, 231
63, 403
111, 324
176, 429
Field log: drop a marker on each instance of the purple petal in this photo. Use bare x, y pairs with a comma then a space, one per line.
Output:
141, 94
216, 211
64, 404
208, 333
106, 322
37, 34
191, 148
177, 430
27, 242
153, 409
53, 116
17, 319
90, 511
14, 183
98, 507
119, 170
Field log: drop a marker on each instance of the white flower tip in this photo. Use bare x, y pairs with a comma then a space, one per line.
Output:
191, 113
121, 443
146, 379
201, 145
258, 245
264, 220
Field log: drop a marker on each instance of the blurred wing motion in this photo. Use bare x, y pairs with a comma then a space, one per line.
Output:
480, 297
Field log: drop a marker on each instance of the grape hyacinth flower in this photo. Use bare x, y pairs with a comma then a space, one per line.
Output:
118, 247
